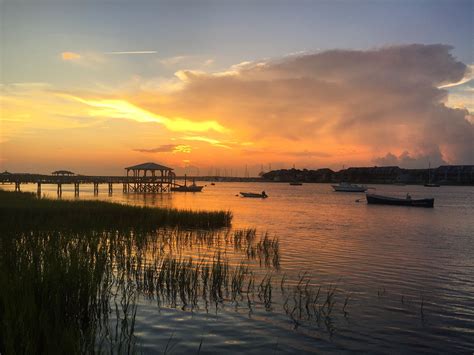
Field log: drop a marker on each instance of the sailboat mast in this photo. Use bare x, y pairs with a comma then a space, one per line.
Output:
429, 172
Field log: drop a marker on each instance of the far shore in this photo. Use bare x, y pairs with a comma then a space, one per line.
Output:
454, 175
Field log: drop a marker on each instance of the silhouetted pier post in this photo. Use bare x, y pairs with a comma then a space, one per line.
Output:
17, 186
60, 174
38, 190
125, 187
110, 189
96, 188
76, 189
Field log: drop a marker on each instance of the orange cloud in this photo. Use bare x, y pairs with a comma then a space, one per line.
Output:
124, 109
70, 56
167, 148
368, 102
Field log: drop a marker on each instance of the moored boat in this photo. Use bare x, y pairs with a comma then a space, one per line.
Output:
431, 184
348, 187
296, 183
254, 195
189, 188
396, 201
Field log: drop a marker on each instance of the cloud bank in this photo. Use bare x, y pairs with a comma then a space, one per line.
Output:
405, 160
383, 101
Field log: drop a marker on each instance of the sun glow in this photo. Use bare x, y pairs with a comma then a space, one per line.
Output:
70, 56
182, 148
212, 141
124, 109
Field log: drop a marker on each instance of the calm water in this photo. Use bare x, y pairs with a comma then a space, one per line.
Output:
409, 271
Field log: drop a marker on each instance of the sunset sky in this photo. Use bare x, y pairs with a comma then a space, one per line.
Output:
94, 86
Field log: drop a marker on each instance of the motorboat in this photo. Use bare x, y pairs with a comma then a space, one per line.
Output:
348, 187
188, 188
396, 201
254, 195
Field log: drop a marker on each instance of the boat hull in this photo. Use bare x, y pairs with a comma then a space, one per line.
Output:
252, 195
187, 189
338, 188
393, 201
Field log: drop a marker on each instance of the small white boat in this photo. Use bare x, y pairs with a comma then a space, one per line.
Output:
348, 187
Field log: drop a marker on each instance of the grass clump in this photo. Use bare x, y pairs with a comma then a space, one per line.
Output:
56, 294
26, 210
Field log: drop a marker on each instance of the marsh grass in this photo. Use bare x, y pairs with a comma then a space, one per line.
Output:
26, 210
77, 290
308, 304
56, 292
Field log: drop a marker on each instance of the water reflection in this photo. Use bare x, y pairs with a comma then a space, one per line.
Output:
403, 278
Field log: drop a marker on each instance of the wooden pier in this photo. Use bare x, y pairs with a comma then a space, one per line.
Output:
147, 178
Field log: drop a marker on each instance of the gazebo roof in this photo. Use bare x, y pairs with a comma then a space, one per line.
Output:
148, 166
62, 172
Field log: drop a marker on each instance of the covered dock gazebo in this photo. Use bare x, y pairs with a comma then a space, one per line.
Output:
5, 176
62, 173
149, 178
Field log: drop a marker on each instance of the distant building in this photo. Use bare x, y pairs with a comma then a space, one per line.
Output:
445, 174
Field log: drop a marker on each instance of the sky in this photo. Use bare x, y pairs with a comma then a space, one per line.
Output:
223, 86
